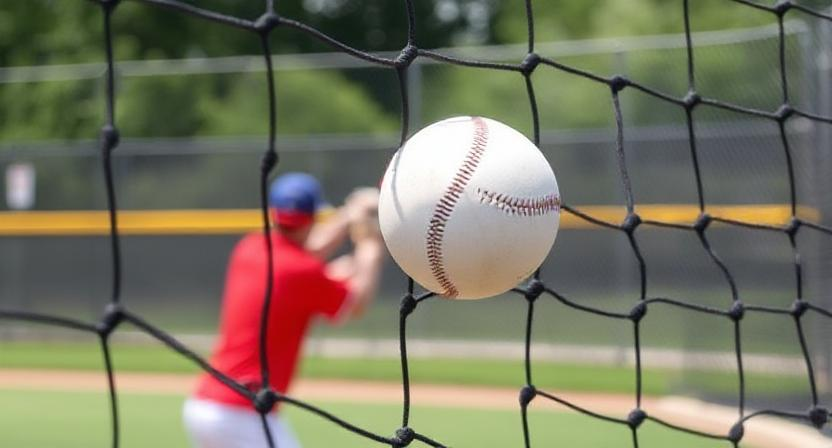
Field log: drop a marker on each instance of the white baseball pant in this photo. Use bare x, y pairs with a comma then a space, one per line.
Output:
215, 425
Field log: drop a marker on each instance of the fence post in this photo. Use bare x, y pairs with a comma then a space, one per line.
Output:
823, 188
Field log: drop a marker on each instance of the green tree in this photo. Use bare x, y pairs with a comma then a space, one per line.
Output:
612, 18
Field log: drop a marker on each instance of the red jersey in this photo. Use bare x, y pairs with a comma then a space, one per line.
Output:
300, 292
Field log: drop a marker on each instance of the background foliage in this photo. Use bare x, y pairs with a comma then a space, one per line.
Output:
38, 32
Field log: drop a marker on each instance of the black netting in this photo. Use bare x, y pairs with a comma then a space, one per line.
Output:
647, 307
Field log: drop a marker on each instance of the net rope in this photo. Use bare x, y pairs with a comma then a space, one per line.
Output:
264, 400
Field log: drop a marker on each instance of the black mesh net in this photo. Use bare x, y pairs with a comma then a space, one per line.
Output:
646, 307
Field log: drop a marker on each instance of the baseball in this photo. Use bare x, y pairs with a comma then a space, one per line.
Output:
469, 207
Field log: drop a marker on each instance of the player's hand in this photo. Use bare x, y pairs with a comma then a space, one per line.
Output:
362, 206
365, 229
362, 203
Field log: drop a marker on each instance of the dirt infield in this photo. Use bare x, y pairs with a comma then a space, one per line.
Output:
760, 432
312, 390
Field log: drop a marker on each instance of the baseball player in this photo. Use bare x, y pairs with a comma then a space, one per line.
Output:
304, 288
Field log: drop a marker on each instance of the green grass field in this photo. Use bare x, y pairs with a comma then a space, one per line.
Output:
81, 420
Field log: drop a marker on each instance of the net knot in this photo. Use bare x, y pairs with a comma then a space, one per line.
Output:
264, 400
818, 416
618, 83
404, 436
782, 7
737, 311
534, 290
530, 62
408, 305
638, 312
702, 223
109, 138
736, 432
406, 56
268, 162
799, 308
793, 227
691, 100
113, 316
635, 418
267, 22
527, 394
631, 222
783, 113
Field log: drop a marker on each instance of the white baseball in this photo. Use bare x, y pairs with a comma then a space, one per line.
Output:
469, 207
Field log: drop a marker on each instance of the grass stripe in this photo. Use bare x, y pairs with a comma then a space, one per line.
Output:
547, 375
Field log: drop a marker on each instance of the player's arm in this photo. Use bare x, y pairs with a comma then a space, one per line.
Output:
367, 258
361, 270
326, 237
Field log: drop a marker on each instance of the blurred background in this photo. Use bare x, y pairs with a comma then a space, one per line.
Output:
192, 110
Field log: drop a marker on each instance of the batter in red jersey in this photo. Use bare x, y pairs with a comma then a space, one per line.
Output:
305, 287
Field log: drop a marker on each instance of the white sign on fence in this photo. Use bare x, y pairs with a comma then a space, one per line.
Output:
20, 186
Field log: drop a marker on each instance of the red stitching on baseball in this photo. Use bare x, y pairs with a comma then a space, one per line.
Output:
512, 205
436, 228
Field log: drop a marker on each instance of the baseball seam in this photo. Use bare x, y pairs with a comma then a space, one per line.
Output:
446, 204
513, 205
